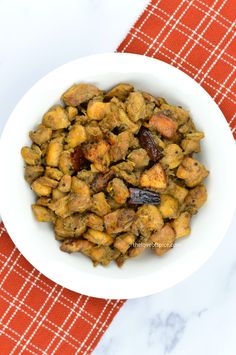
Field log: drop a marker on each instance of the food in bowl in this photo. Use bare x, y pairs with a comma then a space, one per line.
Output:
115, 172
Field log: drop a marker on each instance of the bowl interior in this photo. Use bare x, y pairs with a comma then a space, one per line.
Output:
36, 240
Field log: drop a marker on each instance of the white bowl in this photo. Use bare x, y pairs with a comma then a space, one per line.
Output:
146, 274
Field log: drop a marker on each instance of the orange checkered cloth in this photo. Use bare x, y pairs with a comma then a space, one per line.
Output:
38, 316
196, 36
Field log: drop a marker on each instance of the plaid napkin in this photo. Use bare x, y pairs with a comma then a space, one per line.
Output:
38, 316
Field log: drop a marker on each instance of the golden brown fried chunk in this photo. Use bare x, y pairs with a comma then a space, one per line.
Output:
181, 225
119, 146
79, 93
73, 246
65, 162
121, 91
192, 171
191, 142
33, 172
178, 113
70, 227
169, 206
148, 220
93, 132
43, 214
119, 220
41, 189
53, 153
56, 118
154, 178
53, 173
177, 191
136, 106
100, 205
97, 110
94, 222
60, 207
166, 126
124, 241
31, 156
163, 240
65, 183
97, 237
98, 154
72, 112
76, 136
79, 199
139, 157
41, 135
195, 198
173, 155
118, 190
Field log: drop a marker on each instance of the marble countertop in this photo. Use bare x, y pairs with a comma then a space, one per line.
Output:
198, 315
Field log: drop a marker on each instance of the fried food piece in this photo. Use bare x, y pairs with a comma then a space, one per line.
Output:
191, 142
178, 113
43, 214
154, 178
124, 171
73, 246
72, 112
173, 155
70, 227
53, 173
100, 205
166, 126
119, 146
121, 91
76, 136
31, 156
57, 194
41, 135
100, 181
136, 106
56, 118
148, 220
41, 189
33, 172
65, 162
119, 220
93, 132
181, 225
195, 199
97, 110
169, 206
164, 239
60, 207
46, 181
139, 157
124, 123
192, 171
177, 191
138, 250
79, 199
65, 183
97, 237
124, 241
79, 93
94, 222
118, 190
98, 154
53, 153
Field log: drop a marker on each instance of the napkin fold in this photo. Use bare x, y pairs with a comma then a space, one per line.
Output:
38, 316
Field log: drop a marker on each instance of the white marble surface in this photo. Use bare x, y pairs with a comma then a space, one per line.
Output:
196, 317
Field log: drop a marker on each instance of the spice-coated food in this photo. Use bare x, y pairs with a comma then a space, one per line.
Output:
115, 172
